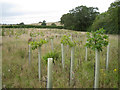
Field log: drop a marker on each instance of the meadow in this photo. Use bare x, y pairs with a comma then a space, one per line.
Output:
17, 73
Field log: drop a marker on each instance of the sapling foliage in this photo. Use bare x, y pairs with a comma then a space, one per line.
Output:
96, 41
34, 34
17, 34
36, 44
65, 40
41, 33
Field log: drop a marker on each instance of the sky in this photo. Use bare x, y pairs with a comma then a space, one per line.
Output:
34, 11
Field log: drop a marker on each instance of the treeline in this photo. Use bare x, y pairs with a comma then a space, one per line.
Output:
31, 26
84, 18
108, 20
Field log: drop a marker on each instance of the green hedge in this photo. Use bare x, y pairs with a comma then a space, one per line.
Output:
31, 26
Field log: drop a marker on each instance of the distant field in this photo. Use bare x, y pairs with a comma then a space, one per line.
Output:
16, 72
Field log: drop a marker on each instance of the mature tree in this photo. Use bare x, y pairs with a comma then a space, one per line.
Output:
79, 18
22, 23
68, 21
44, 23
40, 22
109, 19
113, 16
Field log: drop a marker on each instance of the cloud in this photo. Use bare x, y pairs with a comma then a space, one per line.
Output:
50, 10
8, 10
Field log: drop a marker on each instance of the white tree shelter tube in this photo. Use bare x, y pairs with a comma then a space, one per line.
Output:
52, 44
97, 69
86, 50
71, 65
45, 45
107, 60
85, 53
39, 62
49, 78
63, 56
29, 54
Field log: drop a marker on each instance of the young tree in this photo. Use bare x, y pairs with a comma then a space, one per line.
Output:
66, 40
35, 45
96, 40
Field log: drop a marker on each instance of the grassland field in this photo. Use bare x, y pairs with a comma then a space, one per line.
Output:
17, 73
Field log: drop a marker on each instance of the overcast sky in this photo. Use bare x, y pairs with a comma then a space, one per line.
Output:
33, 11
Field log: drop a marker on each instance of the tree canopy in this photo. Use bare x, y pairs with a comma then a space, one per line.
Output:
44, 23
84, 18
79, 18
109, 19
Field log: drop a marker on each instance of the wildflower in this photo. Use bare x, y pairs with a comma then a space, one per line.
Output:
104, 74
115, 70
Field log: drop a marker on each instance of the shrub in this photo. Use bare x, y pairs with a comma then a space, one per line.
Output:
52, 54
53, 24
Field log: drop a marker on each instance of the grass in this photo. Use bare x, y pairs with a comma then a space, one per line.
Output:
17, 73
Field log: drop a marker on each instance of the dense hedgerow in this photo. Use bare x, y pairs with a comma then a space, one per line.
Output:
31, 26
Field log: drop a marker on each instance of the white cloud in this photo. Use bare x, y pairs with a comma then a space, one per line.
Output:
29, 11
